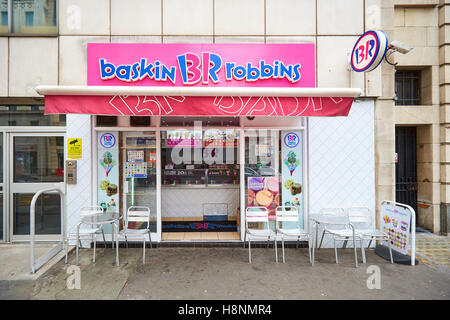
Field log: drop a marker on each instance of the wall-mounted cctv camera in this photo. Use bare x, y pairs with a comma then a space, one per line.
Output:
399, 47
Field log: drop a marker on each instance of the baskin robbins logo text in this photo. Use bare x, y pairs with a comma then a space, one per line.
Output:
192, 69
107, 140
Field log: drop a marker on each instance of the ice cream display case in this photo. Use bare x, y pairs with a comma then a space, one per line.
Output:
213, 175
223, 174
176, 177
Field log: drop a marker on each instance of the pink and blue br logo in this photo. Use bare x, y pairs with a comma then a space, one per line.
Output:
369, 50
291, 140
107, 140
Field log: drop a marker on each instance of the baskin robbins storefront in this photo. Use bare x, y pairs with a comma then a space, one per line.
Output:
200, 132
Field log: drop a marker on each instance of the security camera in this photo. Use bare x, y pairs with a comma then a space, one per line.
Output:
399, 47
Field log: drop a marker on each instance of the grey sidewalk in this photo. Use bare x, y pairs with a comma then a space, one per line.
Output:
224, 273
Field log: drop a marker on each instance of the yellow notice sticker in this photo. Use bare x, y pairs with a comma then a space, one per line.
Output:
74, 148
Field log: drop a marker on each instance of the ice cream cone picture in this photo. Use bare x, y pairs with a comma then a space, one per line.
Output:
291, 162
108, 163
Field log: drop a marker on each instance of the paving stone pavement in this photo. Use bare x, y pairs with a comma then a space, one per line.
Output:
224, 273
433, 249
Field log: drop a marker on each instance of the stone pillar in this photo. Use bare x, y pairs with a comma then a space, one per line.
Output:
444, 88
385, 120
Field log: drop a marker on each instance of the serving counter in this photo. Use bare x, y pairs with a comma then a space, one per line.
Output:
191, 201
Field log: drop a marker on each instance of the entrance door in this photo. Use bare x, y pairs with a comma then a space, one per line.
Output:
405, 168
36, 162
139, 170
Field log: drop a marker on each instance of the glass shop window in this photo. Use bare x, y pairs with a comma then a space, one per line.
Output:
106, 121
140, 121
181, 121
29, 17
29, 116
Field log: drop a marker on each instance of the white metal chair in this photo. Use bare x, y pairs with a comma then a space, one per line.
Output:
336, 222
86, 229
365, 228
289, 215
137, 214
258, 215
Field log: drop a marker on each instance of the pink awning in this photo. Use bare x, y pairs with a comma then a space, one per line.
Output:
198, 105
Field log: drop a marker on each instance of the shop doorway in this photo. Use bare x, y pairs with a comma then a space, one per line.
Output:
36, 162
200, 194
406, 166
138, 176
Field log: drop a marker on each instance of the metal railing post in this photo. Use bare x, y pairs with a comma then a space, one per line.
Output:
52, 252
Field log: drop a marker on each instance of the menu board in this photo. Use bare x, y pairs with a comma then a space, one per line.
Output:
264, 192
135, 155
292, 170
135, 170
221, 138
184, 138
396, 222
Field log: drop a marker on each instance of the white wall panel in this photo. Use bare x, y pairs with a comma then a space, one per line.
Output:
81, 193
342, 160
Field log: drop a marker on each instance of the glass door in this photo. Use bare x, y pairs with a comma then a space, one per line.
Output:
138, 163
36, 162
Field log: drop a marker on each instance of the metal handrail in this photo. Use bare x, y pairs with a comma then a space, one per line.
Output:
36, 264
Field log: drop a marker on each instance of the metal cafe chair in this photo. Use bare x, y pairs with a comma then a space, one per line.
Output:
86, 229
365, 228
258, 215
336, 222
136, 214
288, 215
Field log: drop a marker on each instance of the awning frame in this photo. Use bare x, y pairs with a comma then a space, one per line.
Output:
198, 91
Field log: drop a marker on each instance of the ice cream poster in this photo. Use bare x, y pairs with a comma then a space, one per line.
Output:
395, 221
292, 170
108, 172
263, 192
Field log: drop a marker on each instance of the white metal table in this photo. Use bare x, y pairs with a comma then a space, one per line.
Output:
113, 219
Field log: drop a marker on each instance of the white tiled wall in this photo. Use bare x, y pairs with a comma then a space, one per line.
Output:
342, 160
135, 17
332, 25
79, 194
33, 61
4, 67
84, 17
192, 17
73, 58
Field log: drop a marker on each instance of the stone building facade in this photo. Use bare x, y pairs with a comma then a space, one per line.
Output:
29, 59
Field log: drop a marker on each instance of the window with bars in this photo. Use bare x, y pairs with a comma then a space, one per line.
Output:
407, 87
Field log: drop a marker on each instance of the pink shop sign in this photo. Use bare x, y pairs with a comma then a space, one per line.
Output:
207, 65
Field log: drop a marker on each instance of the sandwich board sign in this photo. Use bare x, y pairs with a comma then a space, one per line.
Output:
398, 221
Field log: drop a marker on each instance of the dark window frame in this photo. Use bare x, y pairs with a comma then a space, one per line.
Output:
408, 87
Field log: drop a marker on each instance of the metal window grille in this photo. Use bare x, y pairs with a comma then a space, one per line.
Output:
407, 87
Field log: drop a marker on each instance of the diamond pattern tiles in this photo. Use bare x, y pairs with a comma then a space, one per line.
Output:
342, 160
80, 194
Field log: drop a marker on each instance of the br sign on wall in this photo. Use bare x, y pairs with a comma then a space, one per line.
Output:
369, 50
